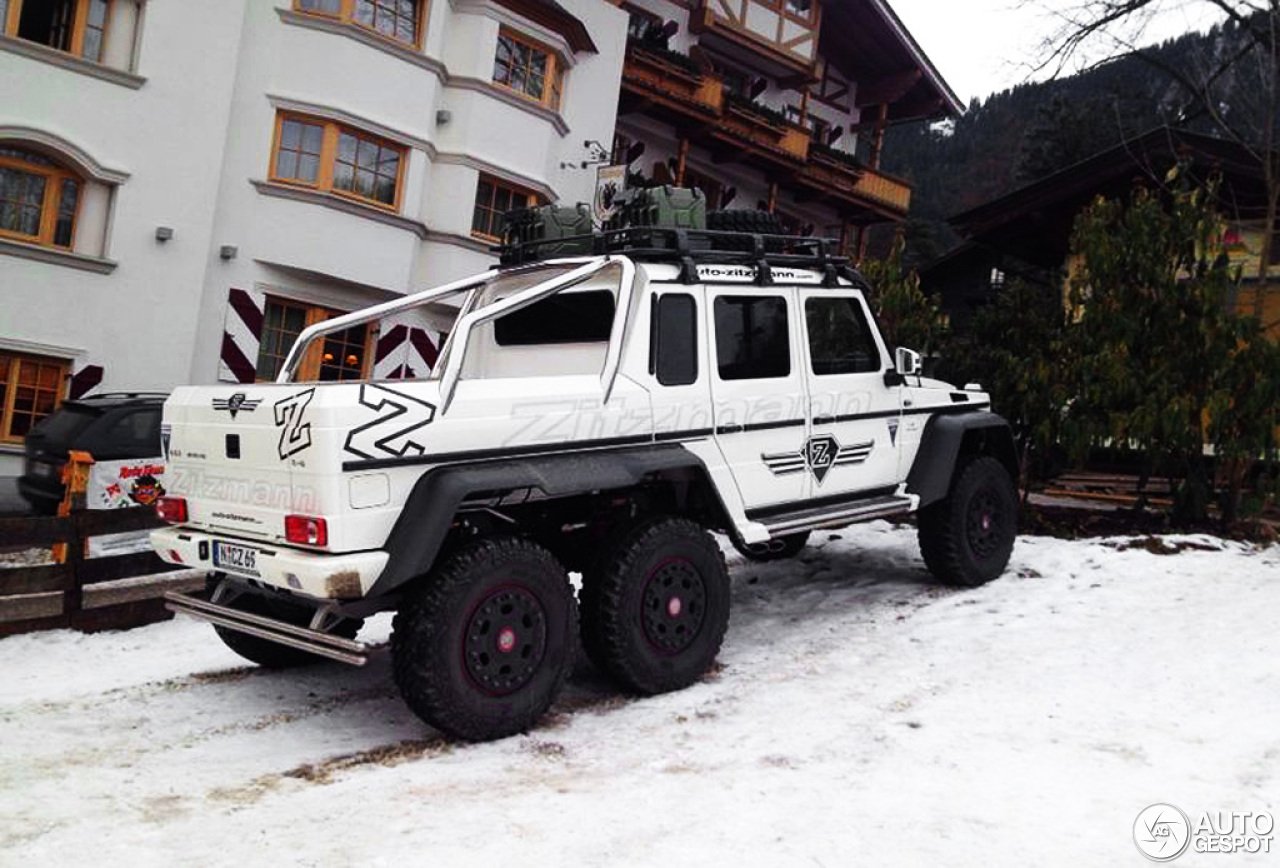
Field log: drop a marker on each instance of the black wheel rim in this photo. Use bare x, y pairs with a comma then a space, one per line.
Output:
985, 522
505, 641
674, 606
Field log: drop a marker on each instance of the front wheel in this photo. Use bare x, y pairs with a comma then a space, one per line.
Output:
483, 647
656, 608
967, 537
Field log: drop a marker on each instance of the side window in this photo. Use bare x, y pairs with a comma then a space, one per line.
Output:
565, 318
751, 337
673, 353
840, 339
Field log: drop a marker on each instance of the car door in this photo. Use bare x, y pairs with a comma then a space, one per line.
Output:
853, 446
759, 392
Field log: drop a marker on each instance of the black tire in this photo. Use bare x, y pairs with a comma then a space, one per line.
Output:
777, 549
450, 640
656, 609
967, 537
744, 220
264, 652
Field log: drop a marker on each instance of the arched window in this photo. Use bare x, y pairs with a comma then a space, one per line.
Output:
38, 198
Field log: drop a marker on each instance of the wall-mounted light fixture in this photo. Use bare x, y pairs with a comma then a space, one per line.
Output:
228, 251
164, 233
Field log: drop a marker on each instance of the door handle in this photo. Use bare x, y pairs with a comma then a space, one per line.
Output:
824, 420
729, 429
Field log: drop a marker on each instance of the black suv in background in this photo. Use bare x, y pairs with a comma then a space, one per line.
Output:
111, 426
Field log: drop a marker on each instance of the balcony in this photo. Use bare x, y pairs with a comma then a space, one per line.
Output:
671, 79
671, 87
743, 123
832, 174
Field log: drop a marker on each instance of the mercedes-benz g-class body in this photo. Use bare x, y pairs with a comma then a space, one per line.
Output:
596, 413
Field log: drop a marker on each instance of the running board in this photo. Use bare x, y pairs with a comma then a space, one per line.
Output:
321, 644
841, 516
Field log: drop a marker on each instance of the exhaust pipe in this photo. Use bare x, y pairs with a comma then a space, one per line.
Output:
271, 629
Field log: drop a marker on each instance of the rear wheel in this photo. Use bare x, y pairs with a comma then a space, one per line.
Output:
483, 647
776, 549
967, 537
264, 652
656, 608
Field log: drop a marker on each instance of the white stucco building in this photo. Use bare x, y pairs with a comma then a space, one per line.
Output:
184, 185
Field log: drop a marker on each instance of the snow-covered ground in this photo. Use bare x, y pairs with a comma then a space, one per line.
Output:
861, 717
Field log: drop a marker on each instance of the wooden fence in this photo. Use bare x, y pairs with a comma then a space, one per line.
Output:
88, 594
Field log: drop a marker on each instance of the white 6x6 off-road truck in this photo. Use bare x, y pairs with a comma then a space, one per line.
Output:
598, 413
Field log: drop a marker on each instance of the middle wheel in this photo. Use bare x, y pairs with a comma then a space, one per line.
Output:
656, 608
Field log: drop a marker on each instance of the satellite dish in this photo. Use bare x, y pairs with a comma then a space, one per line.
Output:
635, 152
727, 196
758, 87
670, 29
834, 135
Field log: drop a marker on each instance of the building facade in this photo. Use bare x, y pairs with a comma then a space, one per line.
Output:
776, 104
184, 186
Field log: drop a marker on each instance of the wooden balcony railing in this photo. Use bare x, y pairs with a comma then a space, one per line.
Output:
652, 73
685, 94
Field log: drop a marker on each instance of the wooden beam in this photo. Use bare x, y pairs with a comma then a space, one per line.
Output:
773, 196
681, 157
877, 142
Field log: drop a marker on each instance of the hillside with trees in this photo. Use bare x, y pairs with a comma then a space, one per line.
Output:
1033, 130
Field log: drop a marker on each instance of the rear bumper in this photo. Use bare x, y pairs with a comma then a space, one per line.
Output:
316, 574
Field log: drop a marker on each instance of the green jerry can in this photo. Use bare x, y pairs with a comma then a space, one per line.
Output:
557, 230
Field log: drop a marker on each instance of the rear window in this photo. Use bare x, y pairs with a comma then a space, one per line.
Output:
564, 318
138, 431
64, 424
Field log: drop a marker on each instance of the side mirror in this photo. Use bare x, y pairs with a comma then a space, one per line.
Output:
907, 362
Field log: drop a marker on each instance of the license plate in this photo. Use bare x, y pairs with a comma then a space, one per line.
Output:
235, 558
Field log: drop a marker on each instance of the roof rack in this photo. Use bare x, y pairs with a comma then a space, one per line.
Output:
687, 247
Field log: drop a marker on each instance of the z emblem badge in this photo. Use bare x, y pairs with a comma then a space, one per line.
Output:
237, 403
818, 456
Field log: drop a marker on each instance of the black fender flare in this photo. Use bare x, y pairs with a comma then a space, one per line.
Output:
429, 510
948, 440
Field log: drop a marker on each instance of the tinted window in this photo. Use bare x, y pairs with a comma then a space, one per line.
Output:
63, 425
751, 337
566, 318
840, 340
137, 432
674, 353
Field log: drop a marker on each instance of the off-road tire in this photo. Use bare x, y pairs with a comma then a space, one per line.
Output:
777, 549
744, 220
264, 652
450, 640
967, 537
656, 608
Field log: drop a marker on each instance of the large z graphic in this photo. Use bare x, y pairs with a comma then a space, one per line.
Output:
388, 435
295, 434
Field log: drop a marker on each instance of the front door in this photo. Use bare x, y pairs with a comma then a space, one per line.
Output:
853, 447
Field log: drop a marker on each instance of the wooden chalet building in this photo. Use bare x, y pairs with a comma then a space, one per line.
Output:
775, 104
1026, 234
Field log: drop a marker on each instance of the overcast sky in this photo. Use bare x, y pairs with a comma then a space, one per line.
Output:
984, 46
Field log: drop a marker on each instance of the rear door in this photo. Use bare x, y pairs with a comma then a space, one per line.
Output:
853, 447
759, 391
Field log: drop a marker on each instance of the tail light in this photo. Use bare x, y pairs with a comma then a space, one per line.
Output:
306, 530
172, 509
